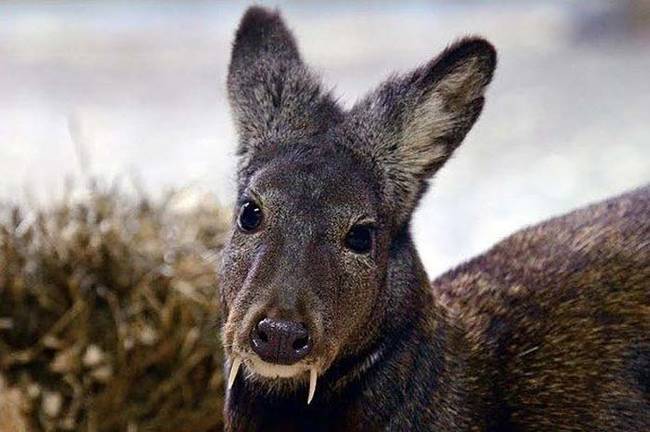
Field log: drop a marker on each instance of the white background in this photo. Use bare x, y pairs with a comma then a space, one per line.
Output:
141, 87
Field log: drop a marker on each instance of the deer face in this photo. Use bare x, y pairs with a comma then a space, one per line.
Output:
305, 261
323, 195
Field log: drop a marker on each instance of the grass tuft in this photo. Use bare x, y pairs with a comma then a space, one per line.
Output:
108, 315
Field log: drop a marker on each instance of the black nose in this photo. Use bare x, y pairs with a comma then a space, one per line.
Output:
280, 341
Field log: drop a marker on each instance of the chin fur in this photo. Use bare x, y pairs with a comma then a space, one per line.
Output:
269, 370
276, 379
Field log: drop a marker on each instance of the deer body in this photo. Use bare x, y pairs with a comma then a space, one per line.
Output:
330, 321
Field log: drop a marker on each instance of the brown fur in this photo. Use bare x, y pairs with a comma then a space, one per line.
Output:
13, 417
566, 307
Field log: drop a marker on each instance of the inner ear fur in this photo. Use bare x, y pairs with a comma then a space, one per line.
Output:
411, 124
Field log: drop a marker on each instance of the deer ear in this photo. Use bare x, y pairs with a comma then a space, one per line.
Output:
410, 125
273, 96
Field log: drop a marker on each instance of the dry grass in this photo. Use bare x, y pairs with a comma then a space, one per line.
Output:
108, 315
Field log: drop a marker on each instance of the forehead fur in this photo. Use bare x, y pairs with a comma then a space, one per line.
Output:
316, 175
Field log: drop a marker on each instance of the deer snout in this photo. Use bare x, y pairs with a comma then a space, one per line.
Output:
280, 341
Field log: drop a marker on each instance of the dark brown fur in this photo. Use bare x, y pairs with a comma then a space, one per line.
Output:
548, 331
564, 308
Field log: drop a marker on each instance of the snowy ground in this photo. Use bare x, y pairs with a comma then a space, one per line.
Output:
142, 86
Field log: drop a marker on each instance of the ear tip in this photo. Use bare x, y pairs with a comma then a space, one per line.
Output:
474, 47
259, 23
477, 46
262, 30
259, 16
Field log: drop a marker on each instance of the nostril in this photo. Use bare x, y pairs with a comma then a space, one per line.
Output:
300, 343
262, 335
259, 337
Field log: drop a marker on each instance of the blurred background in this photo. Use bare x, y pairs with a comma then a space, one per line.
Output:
134, 93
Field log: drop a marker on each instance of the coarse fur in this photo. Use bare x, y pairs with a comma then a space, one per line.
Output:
547, 331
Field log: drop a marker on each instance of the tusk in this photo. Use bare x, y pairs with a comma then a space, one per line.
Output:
236, 363
312, 384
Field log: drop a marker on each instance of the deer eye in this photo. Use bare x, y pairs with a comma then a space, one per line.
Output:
250, 217
359, 238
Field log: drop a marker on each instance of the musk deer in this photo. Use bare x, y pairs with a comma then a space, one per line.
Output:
330, 322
